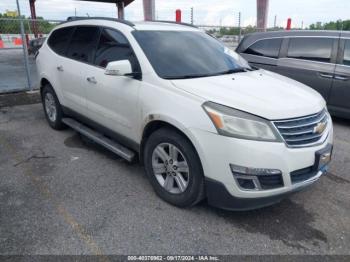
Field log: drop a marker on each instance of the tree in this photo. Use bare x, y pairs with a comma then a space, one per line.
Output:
10, 25
333, 25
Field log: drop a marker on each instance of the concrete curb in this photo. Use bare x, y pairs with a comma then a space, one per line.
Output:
20, 98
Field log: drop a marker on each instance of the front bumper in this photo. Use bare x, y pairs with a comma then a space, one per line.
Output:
217, 153
218, 196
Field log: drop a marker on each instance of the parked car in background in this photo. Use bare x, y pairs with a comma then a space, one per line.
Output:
319, 59
35, 44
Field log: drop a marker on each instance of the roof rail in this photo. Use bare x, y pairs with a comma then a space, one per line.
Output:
78, 18
173, 22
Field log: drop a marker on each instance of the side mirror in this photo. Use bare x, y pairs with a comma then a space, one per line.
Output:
119, 68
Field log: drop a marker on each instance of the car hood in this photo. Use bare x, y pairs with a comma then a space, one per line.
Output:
260, 92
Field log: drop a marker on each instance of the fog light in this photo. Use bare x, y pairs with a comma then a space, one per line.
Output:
241, 170
248, 178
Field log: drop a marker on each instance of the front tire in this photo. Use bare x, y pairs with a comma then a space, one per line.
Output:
52, 108
173, 168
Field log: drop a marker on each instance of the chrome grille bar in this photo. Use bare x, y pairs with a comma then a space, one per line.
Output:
316, 121
304, 138
303, 131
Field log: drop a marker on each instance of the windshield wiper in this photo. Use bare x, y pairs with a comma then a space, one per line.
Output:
231, 71
188, 76
235, 70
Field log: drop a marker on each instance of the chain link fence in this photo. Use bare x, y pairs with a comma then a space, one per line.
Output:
17, 49
10, 30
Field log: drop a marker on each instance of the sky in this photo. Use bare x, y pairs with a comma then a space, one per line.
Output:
206, 12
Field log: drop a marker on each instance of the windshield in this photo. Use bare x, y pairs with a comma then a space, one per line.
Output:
188, 54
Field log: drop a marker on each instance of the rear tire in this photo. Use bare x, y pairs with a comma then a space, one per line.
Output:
174, 168
52, 108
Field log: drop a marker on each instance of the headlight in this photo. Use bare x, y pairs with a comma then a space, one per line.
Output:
235, 123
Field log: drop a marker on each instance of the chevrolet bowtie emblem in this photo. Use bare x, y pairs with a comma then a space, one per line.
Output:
319, 128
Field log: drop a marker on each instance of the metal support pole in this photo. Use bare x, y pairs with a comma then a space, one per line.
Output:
33, 16
149, 10
262, 14
25, 49
120, 6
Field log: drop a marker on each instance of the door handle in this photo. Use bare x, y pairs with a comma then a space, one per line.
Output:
91, 80
60, 68
326, 75
341, 78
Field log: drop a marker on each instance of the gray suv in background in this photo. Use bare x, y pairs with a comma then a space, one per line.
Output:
319, 59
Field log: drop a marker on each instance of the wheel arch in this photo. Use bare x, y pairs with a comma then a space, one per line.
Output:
159, 123
44, 81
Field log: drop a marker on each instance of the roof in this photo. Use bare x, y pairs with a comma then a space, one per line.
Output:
163, 25
126, 2
253, 37
298, 33
142, 25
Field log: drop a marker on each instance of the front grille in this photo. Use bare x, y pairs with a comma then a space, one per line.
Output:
303, 131
301, 175
271, 181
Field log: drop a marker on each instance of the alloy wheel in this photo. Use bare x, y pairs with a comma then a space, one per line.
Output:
170, 167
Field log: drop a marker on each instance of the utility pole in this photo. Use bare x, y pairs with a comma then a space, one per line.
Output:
192, 15
275, 22
239, 25
239, 19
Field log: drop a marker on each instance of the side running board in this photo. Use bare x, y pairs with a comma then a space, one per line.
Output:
111, 145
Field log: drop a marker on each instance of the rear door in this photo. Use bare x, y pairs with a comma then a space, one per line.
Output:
78, 61
264, 53
340, 95
58, 43
310, 60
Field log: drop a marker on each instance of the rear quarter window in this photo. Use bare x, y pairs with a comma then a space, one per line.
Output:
58, 41
266, 47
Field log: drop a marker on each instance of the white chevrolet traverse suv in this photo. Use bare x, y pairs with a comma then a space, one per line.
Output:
201, 120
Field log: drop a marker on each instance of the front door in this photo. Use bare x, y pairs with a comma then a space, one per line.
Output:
112, 101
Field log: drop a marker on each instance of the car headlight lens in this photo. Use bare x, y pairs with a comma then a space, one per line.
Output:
235, 123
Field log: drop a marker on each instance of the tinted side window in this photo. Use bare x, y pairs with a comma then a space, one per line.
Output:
311, 48
346, 60
83, 43
113, 46
266, 47
59, 38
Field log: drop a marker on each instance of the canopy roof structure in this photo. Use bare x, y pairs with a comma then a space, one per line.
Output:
149, 9
121, 4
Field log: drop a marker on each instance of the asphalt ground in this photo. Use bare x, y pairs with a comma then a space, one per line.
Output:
12, 71
61, 194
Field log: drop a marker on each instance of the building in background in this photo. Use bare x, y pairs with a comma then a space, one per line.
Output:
10, 13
